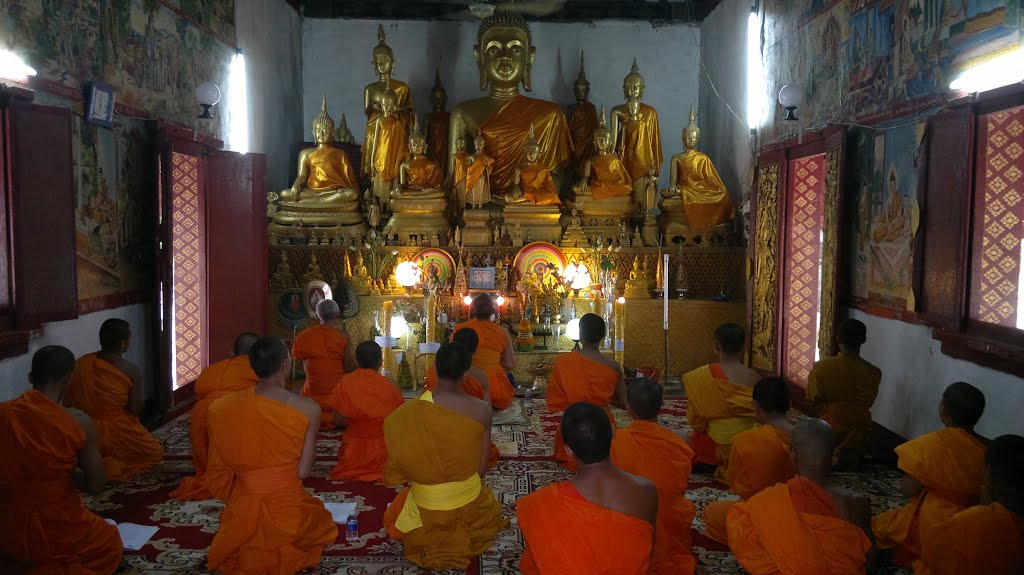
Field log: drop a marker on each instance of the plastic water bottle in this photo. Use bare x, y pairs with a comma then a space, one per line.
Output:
352, 529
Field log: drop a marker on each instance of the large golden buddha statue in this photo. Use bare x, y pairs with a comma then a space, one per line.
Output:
437, 123
695, 189
373, 95
388, 148
582, 122
641, 147
504, 56
418, 204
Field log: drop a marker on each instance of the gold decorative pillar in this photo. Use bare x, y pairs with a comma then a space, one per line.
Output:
829, 256
764, 320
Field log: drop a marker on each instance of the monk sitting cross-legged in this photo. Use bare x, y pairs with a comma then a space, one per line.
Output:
361, 402
109, 388
808, 525
720, 405
495, 353
474, 383
842, 390
44, 524
760, 457
585, 375
439, 444
262, 445
943, 474
986, 538
216, 381
651, 450
600, 521
326, 353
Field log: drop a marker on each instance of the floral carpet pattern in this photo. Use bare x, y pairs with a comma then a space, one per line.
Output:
187, 527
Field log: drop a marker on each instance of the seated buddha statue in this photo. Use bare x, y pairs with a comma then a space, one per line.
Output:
437, 123
533, 182
479, 168
642, 145
419, 177
605, 176
389, 148
696, 196
504, 54
373, 95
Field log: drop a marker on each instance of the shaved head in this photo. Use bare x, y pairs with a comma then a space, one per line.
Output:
51, 364
327, 310
244, 342
482, 306
813, 443
645, 398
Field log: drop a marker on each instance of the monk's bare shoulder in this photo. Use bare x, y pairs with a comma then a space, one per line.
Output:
479, 375
83, 420
304, 404
128, 368
611, 363
856, 507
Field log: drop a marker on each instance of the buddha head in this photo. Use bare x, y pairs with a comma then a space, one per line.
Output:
417, 143
438, 97
602, 135
323, 126
479, 142
531, 150
633, 107
691, 133
633, 83
503, 52
388, 101
581, 87
460, 144
383, 58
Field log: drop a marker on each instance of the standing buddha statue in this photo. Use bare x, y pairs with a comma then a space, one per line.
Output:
582, 122
437, 123
533, 181
605, 175
695, 185
373, 95
504, 55
642, 146
388, 146
457, 167
479, 167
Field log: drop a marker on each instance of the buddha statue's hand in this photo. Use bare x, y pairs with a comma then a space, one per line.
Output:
396, 194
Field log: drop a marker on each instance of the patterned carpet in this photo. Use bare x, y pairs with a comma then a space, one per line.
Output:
186, 528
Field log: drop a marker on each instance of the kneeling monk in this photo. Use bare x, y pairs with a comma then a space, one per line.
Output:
361, 402
585, 375
262, 445
44, 524
439, 444
109, 388
496, 354
326, 353
600, 521
214, 382
807, 525
651, 450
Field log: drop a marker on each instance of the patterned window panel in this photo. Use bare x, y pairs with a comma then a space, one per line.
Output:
187, 245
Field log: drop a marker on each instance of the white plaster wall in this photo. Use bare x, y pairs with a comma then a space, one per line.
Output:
336, 64
81, 336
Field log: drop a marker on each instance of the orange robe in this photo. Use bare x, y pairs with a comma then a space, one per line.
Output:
322, 351
845, 388
718, 411
470, 386
608, 177
364, 398
423, 173
437, 136
430, 446
643, 144
214, 382
505, 134
582, 123
657, 453
480, 168
982, 539
330, 169
101, 390
705, 199
43, 522
575, 378
269, 524
538, 186
391, 148
494, 340
950, 464
794, 528
568, 535
403, 99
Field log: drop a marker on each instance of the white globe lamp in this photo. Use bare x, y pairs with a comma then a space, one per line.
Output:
790, 97
207, 94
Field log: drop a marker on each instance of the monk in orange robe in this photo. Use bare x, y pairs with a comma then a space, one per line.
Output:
503, 133
986, 538
216, 381
438, 443
327, 356
760, 457
720, 402
109, 388
600, 521
495, 354
44, 524
585, 375
943, 474
807, 525
651, 450
842, 389
262, 445
361, 403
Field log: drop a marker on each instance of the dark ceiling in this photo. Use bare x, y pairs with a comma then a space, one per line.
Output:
536, 10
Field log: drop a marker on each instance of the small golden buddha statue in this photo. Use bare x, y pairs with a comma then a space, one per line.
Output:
479, 167
419, 204
388, 145
504, 55
606, 177
637, 286
642, 146
582, 122
534, 184
695, 186
419, 177
373, 95
344, 135
361, 282
438, 123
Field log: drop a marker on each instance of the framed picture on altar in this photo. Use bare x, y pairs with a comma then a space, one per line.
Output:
100, 110
481, 278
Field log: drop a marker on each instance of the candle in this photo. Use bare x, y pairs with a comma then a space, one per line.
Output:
389, 359
620, 328
664, 287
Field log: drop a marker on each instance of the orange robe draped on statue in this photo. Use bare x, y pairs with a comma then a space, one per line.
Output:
567, 535
452, 516
505, 134
950, 464
269, 523
470, 386
608, 177
643, 144
101, 390
43, 522
214, 382
794, 528
845, 388
575, 378
718, 410
330, 169
657, 453
538, 186
391, 148
437, 136
322, 350
985, 539
403, 99
494, 340
705, 199
423, 173
364, 398
582, 123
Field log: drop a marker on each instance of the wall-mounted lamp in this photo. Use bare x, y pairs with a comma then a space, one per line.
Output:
791, 97
13, 68
207, 95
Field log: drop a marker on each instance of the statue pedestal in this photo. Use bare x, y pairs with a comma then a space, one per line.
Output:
477, 231
539, 223
677, 229
604, 218
650, 231
412, 216
292, 218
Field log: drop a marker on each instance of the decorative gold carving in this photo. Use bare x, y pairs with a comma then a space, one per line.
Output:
766, 270
829, 257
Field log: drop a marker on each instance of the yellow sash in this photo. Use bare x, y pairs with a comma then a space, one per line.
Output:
441, 497
723, 431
